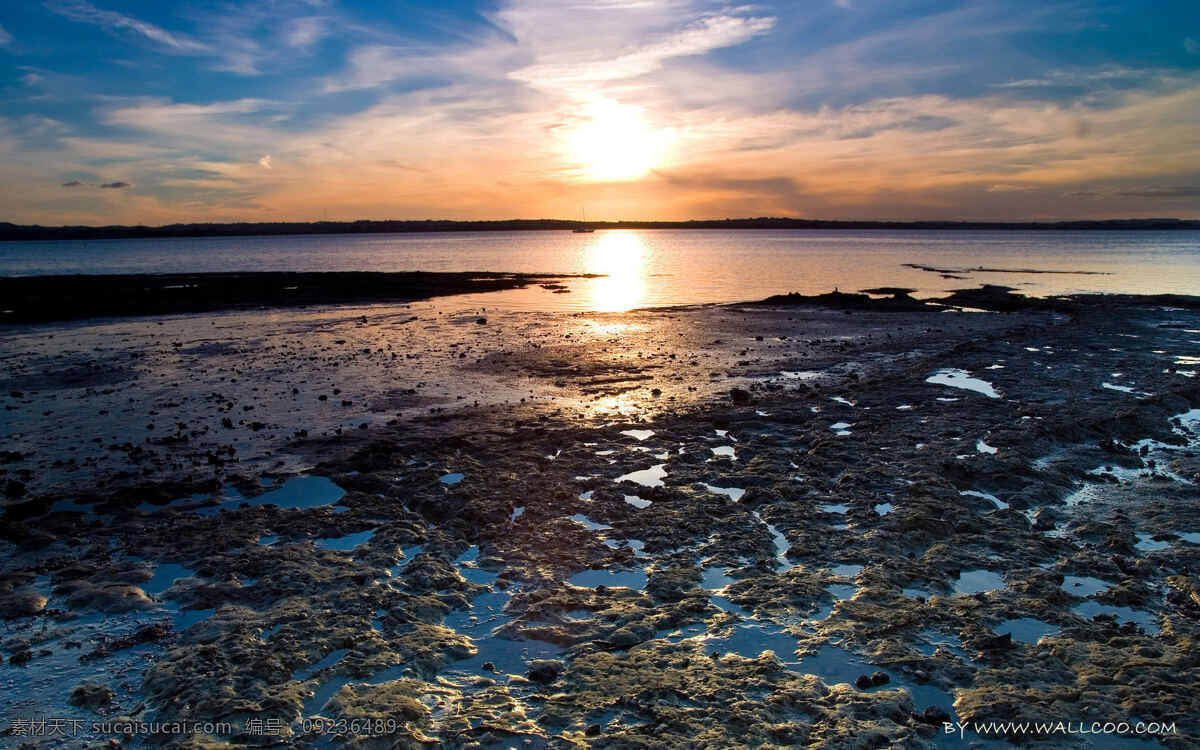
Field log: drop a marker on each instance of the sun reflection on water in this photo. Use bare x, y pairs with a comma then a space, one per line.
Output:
621, 257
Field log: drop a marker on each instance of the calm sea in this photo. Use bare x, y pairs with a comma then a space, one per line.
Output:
670, 267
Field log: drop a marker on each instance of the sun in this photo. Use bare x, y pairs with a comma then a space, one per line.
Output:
614, 142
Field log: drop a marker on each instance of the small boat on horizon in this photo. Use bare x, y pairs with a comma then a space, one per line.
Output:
583, 230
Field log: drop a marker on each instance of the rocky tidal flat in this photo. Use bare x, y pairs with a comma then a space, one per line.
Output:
795, 524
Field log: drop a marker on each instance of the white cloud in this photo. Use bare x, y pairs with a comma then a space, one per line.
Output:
83, 11
199, 121
1006, 188
305, 32
5, 37
622, 43
265, 161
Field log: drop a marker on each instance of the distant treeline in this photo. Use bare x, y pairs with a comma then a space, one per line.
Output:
10, 232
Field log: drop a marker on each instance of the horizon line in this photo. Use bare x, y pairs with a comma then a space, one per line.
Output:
33, 232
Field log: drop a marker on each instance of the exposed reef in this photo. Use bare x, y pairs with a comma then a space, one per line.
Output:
767, 525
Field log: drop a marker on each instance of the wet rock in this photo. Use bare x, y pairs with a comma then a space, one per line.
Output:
933, 716
740, 396
880, 678
91, 696
21, 604
110, 599
544, 671
23, 656
148, 634
624, 637
993, 644
1044, 520
488, 667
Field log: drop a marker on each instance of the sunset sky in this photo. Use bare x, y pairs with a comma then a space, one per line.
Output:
129, 111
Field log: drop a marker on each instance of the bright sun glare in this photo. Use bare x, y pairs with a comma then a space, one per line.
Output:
615, 143
621, 257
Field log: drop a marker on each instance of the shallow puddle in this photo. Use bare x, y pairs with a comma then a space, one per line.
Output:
345, 543
164, 575
485, 613
978, 581
714, 578
43, 687
1026, 629
652, 477
632, 579
406, 556
955, 378
297, 492
884, 508
268, 632
724, 450
637, 545
303, 673
1146, 543
842, 591
184, 619
834, 664
688, 631
734, 493
1121, 388
1084, 585
452, 478
466, 568
588, 523
1000, 504
637, 502
781, 545
638, 435
933, 639
1090, 609
73, 505
749, 638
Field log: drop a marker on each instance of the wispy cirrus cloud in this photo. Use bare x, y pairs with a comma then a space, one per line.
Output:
634, 40
1145, 191
248, 38
5, 37
112, 21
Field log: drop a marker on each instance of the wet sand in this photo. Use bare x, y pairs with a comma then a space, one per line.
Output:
737, 526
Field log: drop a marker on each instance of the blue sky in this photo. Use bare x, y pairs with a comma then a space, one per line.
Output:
152, 112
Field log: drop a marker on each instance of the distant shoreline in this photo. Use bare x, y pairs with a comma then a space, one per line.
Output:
17, 233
